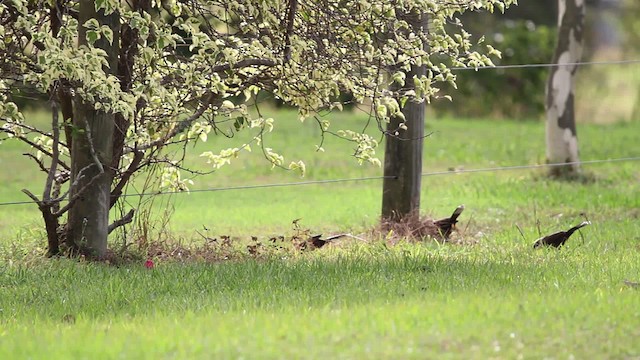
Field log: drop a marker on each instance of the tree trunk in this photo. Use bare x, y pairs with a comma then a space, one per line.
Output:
403, 152
91, 154
561, 136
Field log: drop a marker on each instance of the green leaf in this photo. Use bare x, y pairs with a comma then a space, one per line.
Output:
100, 4
92, 36
91, 24
108, 34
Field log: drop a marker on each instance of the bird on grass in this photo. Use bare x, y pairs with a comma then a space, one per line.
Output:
559, 238
316, 241
446, 225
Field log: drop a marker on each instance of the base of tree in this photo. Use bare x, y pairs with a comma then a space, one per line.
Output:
211, 248
568, 173
412, 227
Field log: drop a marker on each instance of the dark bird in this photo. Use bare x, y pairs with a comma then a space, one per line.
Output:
316, 241
446, 225
558, 239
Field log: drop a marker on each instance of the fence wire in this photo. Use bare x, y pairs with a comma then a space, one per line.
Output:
546, 65
367, 178
435, 173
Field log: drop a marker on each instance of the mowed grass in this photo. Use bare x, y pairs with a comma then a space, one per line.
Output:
373, 302
493, 297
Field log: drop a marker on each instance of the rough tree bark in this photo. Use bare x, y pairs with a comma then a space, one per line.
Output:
561, 135
91, 154
403, 152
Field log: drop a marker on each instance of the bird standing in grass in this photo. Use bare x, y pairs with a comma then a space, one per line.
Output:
558, 239
446, 225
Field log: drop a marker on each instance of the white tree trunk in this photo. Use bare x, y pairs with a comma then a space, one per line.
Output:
561, 136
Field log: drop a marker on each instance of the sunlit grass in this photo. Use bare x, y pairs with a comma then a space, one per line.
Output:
408, 301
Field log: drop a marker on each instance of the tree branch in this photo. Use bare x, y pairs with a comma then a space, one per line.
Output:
124, 179
33, 197
50, 222
77, 195
182, 126
92, 148
242, 64
38, 161
34, 145
122, 221
46, 195
293, 6
38, 131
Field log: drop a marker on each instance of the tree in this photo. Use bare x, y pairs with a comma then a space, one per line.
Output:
88, 224
136, 81
629, 22
561, 135
403, 151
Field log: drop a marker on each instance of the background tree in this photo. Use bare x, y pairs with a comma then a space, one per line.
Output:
561, 135
516, 93
631, 23
136, 81
525, 34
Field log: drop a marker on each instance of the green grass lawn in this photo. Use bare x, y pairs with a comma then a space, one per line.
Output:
493, 297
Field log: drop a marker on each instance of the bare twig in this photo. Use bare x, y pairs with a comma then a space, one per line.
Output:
209, 239
35, 146
122, 221
468, 223
65, 178
77, 195
50, 222
38, 161
124, 179
520, 231
182, 126
38, 131
46, 195
587, 219
33, 197
535, 216
242, 64
92, 149
61, 177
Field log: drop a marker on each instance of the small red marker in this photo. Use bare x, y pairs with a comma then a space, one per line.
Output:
148, 264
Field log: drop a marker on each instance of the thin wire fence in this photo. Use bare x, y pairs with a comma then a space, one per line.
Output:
367, 178
427, 174
546, 65
463, 68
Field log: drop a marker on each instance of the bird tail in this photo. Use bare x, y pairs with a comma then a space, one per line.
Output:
581, 225
333, 237
457, 213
